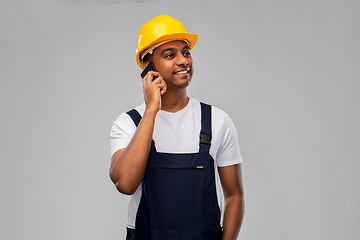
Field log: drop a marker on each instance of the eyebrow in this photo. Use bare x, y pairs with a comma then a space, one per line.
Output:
174, 49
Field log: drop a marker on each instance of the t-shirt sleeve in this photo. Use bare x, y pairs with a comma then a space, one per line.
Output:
229, 151
122, 131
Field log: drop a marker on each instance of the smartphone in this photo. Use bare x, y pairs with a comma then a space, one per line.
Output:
150, 67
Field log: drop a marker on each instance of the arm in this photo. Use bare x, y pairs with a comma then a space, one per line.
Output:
231, 181
128, 164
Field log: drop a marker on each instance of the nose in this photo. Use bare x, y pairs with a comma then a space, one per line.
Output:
181, 60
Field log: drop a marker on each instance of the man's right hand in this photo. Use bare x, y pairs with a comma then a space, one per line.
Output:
153, 90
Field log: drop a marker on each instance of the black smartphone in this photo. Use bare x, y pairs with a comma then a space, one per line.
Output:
150, 67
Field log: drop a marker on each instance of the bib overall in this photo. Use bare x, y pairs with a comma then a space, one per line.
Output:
179, 200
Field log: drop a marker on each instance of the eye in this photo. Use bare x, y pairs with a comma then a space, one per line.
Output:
169, 55
187, 54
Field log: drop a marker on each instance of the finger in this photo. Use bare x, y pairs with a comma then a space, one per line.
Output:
152, 76
155, 74
163, 87
158, 78
162, 90
147, 79
159, 82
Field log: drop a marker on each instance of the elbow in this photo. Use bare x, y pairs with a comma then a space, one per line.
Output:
123, 186
125, 189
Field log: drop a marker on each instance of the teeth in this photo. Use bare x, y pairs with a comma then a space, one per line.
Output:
182, 72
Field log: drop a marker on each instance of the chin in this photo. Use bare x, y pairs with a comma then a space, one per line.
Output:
185, 85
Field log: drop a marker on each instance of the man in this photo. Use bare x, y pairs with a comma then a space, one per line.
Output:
177, 157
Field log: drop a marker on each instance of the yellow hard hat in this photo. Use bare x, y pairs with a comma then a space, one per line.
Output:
161, 28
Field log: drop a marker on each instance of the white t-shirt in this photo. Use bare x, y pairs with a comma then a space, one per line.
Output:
185, 125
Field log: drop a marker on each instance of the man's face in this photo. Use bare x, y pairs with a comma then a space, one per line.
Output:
175, 64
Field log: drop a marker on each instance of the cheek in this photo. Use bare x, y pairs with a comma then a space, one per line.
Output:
166, 69
192, 67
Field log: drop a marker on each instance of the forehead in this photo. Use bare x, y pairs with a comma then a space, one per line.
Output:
174, 45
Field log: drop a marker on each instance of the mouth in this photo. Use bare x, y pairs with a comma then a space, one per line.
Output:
183, 71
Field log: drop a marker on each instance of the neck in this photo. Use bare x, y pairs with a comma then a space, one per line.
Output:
173, 102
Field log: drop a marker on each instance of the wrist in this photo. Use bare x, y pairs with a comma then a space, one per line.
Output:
150, 110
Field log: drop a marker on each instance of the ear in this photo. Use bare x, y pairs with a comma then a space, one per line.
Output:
144, 65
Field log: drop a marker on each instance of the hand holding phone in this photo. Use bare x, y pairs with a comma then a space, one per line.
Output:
153, 90
149, 67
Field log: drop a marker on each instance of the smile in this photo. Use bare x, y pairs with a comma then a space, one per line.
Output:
182, 72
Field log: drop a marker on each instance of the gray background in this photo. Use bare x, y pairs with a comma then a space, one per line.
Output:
287, 72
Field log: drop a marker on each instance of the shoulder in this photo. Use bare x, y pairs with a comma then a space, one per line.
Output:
222, 124
122, 130
224, 144
219, 116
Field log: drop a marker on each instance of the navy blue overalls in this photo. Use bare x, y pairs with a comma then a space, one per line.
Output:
179, 200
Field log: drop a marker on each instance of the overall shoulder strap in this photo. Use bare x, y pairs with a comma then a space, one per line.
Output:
135, 116
205, 134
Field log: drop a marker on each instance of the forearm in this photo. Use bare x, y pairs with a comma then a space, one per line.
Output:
233, 216
128, 167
